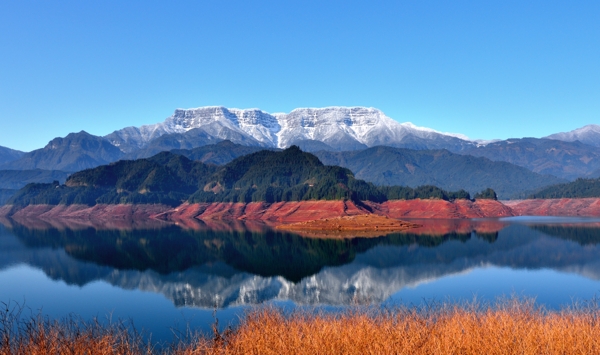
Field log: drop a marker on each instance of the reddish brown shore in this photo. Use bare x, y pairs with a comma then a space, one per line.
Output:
364, 225
584, 207
83, 212
457, 209
292, 212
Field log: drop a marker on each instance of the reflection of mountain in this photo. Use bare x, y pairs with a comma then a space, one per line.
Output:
207, 268
584, 235
172, 249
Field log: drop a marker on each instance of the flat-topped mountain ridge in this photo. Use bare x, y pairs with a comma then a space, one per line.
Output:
341, 128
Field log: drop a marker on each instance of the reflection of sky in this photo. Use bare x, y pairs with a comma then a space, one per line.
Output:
456, 270
148, 310
551, 288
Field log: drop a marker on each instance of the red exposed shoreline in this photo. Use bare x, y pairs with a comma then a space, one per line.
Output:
291, 212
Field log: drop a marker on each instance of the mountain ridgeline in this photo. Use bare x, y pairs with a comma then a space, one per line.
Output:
167, 178
395, 166
580, 188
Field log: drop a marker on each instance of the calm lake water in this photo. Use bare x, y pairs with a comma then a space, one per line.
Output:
164, 278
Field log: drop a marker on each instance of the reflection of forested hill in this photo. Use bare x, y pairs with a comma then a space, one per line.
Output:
172, 249
583, 235
364, 271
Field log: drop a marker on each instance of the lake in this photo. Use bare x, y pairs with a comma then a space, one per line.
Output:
164, 277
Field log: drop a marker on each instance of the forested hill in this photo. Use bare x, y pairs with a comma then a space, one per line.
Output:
289, 175
167, 178
579, 188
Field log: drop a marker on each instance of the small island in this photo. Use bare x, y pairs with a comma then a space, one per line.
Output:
364, 225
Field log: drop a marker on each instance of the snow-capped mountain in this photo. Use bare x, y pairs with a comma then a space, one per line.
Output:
342, 128
589, 134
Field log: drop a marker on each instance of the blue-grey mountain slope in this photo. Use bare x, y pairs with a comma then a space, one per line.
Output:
7, 155
16, 179
76, 151
567, 160
449, 171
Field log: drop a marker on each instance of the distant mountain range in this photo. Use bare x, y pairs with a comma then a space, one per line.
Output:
345, 131
589, 134
16, 179
8, 155
567, 160
77, 151
449, 171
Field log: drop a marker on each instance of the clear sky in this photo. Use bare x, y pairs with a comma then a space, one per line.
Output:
487, 69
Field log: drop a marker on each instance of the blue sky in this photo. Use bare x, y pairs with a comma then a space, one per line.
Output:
487, 69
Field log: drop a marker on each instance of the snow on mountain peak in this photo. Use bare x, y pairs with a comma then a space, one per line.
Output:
589, 134
425, 129
343, 128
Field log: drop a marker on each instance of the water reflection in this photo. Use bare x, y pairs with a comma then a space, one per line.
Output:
208, 264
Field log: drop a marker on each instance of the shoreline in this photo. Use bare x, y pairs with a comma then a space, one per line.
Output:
274, 214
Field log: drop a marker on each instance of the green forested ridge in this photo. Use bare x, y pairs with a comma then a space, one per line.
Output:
290, 175
579, 188
167, 178
487, 194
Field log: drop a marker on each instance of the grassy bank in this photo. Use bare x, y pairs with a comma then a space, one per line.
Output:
507, 327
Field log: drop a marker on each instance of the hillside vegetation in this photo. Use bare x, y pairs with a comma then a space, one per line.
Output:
579, 188
271, 176
165, 178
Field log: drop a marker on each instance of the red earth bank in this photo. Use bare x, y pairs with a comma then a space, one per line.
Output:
588, 207
291, 212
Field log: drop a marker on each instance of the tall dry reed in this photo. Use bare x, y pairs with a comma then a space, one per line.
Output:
513, 326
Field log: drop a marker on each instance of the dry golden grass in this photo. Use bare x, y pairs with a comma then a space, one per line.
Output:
508, 327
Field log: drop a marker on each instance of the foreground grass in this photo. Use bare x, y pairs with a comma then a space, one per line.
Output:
507, 327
